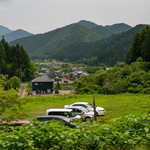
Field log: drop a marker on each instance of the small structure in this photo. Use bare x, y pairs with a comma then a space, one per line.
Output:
42, 85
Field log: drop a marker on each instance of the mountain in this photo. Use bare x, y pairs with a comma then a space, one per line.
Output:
4, 30
118, 28
87, 24
16, 35
105, 31
43, 45
115, 48
108, 52
102, 31
80, 41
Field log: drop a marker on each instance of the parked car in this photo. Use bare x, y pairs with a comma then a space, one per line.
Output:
15, 123
62, 112
12, 123
99, 110
66, 121
85, 113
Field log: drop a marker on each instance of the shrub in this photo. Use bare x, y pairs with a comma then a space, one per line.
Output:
146, 91
56, 91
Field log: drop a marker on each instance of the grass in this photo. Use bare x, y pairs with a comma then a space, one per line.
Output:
115, 105
10, 91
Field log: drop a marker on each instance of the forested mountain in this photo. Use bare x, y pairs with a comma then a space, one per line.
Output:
64, 43
115, 48
105, 31
87, 24
109, 51
16, 35
118, 28
43, 45
4, 30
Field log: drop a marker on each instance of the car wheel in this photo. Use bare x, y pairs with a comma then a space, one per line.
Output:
87, 118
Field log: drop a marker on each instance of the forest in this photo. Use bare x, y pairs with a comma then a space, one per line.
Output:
130, 77
14, 61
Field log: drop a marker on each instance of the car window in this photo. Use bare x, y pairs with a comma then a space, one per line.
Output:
76, 105
77, 110
82, 105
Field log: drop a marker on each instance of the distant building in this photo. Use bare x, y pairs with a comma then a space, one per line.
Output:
42, 85
66, 76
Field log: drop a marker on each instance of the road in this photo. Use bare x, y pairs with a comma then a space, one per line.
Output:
22, 90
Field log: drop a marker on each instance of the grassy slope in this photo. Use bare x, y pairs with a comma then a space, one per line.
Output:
10, 91
115, 105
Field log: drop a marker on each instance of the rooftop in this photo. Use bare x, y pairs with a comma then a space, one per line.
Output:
42, 79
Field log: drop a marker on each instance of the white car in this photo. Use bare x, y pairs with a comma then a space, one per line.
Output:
62, 112
99, 110
85, 113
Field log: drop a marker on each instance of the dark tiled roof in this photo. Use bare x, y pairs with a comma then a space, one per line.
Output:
42, 79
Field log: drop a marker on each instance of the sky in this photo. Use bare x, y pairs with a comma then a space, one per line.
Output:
40, 16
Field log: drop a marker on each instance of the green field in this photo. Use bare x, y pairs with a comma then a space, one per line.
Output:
115, 105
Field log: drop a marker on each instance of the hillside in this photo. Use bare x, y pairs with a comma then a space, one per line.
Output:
4, 30
87, 24
109, 51
114, 49
118, 28
105, 31
16, 35
43, 45
64, 43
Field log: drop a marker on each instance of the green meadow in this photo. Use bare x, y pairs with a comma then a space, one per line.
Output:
115, 105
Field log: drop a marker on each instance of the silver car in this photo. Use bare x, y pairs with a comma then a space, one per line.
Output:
100, 111
85, 113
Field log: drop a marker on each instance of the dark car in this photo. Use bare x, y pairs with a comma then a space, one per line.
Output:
63, 119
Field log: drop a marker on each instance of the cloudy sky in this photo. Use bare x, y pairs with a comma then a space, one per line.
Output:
39, 16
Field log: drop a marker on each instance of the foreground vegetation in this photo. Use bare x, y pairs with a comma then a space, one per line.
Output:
129, 132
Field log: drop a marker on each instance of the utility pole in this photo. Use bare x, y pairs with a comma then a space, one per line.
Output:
94, 107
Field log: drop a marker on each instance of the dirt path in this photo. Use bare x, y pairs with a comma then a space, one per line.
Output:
22, 90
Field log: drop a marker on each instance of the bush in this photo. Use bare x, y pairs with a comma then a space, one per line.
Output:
7, 85
15, 82
146, 91
56, 91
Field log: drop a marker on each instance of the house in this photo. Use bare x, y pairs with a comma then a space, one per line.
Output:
66, 76
42, 85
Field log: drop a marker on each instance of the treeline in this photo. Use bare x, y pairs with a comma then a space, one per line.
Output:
133, 78
14, 61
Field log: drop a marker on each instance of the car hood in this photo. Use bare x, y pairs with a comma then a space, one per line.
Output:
97, 108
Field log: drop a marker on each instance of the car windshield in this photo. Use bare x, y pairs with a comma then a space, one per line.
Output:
89, 105
85, 110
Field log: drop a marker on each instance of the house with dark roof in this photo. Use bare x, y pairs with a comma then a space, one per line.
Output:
42, 85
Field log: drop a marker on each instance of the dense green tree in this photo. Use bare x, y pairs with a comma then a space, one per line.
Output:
140, 46
145, 47
14, 61
15, 82
2, 58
